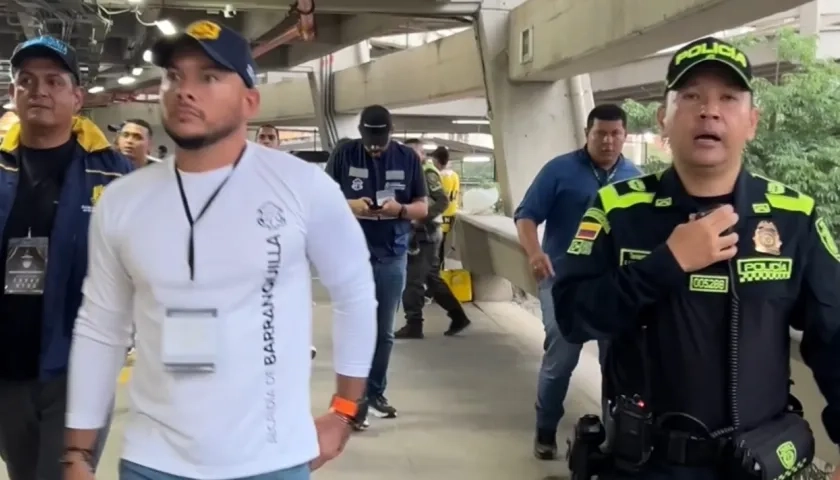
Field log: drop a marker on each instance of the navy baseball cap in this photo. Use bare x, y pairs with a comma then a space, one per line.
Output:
224, 46
704, 51
47, 47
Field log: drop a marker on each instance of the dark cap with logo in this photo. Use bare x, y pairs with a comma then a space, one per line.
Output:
228, 49
375, 126
47, 47
703, 52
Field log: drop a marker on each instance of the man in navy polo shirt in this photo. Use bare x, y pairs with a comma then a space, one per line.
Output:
558, 197
385, 187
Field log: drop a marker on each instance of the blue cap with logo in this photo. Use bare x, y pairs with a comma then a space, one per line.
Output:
223, 45
47, 47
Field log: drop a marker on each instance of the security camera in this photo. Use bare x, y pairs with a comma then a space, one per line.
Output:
229, 11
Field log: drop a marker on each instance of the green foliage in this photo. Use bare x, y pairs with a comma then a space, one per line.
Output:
653, 165
798, 138
641, 118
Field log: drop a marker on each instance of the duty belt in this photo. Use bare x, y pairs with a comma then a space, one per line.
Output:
681, 448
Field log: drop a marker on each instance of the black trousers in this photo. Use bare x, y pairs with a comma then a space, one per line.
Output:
423, 277
32, 428
442, 252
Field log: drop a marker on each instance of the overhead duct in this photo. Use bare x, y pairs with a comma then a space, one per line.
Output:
304, 29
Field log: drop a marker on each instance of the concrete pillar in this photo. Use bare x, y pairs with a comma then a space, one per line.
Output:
809, 17
531, 123
332, 125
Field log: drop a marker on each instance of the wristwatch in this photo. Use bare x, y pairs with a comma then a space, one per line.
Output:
402, 212
344, 408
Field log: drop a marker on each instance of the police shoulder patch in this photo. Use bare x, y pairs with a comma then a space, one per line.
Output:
644, 183
826, 238
784, 197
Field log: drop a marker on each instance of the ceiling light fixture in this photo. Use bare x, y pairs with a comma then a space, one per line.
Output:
476, 159
166, 27
147, 56
136, 71
96, 89
9, 106
471, 121
126, 80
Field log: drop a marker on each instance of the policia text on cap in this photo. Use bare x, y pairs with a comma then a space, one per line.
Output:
695, 274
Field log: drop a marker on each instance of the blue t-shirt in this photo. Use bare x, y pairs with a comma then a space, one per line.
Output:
560, 194
397, 171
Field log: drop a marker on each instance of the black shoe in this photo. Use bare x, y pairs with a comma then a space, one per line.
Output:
361, 423
457, 326
414, 332
545, 445
380, 408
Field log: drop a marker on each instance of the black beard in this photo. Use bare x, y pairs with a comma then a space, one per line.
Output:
201, 141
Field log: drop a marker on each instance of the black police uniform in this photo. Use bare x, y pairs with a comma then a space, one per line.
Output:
672, 342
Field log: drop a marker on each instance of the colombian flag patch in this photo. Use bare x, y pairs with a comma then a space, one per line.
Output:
588, 231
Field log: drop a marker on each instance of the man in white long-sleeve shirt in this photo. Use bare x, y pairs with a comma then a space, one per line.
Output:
208, 254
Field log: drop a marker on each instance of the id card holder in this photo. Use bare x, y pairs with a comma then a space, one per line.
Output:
383, 196
190, 339
26, 266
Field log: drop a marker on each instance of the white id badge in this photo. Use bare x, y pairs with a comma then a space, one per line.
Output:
190, 339
383, 196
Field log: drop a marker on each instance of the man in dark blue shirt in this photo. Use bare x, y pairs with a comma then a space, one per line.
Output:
558, 196
385, 187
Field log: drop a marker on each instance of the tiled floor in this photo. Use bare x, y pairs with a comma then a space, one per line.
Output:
466, 404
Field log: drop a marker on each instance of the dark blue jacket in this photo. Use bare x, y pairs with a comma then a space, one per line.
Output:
360, 175
560, 194
95, 165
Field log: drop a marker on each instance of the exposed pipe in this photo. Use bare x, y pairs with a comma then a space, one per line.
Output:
304, 29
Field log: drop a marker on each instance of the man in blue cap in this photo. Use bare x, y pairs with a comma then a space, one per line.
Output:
53, 167
214, 271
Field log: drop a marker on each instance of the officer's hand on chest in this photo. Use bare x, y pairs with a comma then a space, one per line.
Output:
702, 241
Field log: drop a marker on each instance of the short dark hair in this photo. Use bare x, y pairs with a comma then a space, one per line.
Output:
441, 154
412, 141
276, 130
142, 123
608, 112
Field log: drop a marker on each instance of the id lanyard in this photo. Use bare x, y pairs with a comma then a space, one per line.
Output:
610, 174
192, 221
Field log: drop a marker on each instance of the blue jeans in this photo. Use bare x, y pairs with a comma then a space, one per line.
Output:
389, 276
133, 471
559, 361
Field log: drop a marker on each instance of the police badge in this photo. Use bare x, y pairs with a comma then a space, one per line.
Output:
767, 238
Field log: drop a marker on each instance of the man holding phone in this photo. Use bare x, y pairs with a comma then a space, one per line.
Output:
385, 187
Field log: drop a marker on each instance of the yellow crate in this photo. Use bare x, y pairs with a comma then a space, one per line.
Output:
460, 282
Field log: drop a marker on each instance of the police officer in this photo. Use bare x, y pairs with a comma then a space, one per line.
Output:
696, 274
423, 274
384, 186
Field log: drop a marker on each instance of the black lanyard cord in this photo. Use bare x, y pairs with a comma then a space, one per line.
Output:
192, 221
